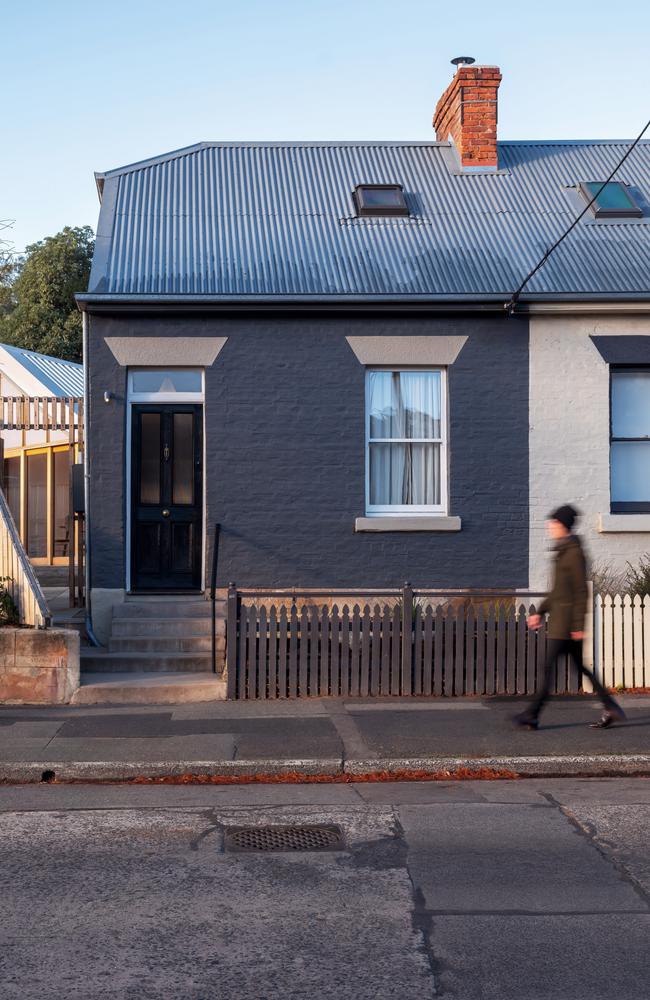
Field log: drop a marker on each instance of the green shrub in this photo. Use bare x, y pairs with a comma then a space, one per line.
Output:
8, 610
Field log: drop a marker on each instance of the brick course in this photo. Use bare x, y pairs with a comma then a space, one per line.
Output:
467, 113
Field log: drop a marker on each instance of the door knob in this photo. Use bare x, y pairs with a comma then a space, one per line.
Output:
165, 513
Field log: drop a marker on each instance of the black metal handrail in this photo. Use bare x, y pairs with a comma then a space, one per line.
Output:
213, 594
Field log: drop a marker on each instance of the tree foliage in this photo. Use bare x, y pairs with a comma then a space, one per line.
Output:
37, 306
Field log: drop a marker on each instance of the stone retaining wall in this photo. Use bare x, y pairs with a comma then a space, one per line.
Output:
38, 666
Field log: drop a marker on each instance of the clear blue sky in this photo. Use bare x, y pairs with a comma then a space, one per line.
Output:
90, 86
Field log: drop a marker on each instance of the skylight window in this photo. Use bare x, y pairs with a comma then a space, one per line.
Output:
380, 200
613, 202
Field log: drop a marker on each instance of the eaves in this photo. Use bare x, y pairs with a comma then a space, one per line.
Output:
94, 302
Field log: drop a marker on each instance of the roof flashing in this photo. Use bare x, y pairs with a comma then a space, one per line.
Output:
610, 200
380, 201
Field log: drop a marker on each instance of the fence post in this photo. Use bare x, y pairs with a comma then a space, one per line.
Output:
619, 661
406, 686
588, 645
231, 640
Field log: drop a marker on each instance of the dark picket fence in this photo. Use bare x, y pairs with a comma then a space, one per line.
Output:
278, 650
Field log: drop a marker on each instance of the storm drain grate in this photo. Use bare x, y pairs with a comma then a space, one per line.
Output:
283, 838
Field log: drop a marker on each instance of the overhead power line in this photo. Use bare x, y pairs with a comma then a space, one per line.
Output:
515, 296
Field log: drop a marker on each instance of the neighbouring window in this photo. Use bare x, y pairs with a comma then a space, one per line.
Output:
630, 440
380, 200
406, 434
614, 201
61, 491
12, 487
37, 505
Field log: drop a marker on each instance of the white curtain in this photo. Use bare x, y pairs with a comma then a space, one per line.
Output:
403, 406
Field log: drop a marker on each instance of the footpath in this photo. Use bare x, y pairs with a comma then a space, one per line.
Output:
320, 740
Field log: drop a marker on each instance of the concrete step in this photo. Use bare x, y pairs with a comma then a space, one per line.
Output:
164, 644
95, 660
149, 689
122, 627
52, 576
165, 609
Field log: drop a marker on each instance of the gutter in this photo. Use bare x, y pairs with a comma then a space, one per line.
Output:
89, 622
97, 302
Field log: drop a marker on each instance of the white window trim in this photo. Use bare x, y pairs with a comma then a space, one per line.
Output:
417, 510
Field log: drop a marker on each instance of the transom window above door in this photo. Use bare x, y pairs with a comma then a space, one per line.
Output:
630, 440
406, 464
165, 385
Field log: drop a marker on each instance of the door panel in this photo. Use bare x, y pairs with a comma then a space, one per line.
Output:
182, 547
182, 468
167, 491
150, 458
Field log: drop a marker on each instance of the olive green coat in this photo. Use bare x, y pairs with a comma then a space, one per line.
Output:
566, 603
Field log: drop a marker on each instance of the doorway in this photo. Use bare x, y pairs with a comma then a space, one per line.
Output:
166, 496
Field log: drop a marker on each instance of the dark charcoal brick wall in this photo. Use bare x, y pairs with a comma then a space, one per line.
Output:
285, 454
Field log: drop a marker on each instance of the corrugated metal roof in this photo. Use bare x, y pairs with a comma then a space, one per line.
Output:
60, 378
221, 219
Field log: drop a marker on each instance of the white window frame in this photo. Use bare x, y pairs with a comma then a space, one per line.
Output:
399, 510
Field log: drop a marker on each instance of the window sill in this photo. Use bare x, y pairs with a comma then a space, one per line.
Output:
433, 522
623, 522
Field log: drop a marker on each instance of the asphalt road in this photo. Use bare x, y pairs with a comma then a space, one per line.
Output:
530, 889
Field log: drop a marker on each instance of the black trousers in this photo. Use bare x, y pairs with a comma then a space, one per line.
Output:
556, 648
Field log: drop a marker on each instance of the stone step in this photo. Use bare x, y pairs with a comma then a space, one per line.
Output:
164, 644
122, 627
165, 609
149, 689
95, 660
52, 576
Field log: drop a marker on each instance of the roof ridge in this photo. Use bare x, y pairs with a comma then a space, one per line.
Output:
263, 144
16, 348
196, 147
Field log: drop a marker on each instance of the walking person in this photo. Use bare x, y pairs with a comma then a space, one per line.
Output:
566, 605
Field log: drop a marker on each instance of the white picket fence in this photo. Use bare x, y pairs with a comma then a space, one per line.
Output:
621, 629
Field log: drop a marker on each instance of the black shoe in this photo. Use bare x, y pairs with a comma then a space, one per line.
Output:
608, 718
526, 721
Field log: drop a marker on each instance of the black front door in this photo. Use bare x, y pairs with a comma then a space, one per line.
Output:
166, 497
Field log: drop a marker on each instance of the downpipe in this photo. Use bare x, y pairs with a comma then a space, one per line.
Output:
89, 621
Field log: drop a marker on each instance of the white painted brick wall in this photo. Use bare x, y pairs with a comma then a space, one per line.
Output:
569, 435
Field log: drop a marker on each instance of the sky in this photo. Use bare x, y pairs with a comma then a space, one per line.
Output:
89, 86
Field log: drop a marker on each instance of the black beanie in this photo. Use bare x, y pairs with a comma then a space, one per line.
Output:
566, 515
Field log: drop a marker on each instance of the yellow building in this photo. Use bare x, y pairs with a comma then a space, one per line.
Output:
37, 462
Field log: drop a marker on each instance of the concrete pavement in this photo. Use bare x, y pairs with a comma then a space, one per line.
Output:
319, 738
500, 890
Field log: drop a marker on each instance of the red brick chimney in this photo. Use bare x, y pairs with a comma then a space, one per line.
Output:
467, 113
